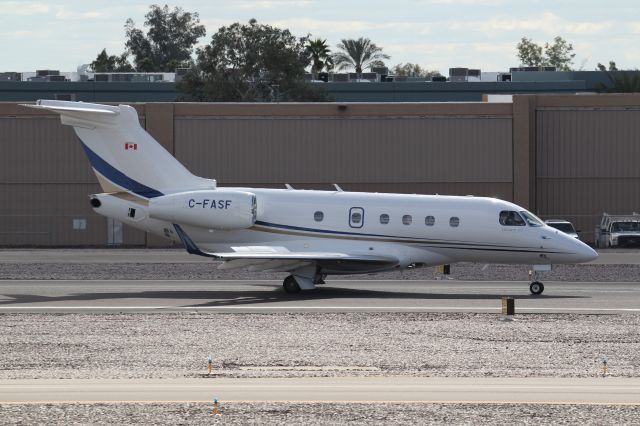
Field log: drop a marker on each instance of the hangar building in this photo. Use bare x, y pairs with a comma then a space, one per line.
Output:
561, 156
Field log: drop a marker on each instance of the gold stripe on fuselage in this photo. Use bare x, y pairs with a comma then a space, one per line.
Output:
115, 191
105, 184
130, 197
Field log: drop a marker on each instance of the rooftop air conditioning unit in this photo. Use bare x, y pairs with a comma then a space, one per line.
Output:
44, 73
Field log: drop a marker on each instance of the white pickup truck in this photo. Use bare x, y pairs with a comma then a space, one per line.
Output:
618, 231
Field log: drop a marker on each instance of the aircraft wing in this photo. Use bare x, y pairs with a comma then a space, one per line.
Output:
287, 261
280, 258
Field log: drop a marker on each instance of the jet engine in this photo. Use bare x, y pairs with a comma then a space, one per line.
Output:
211, 209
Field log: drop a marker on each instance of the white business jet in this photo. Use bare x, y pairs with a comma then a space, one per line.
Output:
310, 234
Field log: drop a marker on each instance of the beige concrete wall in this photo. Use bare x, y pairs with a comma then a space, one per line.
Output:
356, 150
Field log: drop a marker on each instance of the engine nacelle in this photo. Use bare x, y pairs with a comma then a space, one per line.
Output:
212, 209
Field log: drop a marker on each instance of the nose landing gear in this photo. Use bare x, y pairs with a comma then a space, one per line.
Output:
536, 288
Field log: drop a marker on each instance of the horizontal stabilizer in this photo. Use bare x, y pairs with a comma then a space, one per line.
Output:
67, 106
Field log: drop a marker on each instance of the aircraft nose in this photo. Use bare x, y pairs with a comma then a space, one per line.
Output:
585, 253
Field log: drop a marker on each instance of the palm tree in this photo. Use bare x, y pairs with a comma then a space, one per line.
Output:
320, 56
359, 54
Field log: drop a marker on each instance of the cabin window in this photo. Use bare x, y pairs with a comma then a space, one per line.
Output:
454, 221
511, 218
429, 220
356, 217
406, 219
384, 218
318, 216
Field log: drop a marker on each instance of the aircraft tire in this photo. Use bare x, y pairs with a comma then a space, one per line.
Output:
536, 288
290, 285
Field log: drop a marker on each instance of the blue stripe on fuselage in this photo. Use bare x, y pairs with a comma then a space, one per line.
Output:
463, 245
328, 231
117, 177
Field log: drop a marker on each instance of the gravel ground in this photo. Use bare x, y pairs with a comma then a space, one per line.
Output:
180, 271
270, 345
320, 414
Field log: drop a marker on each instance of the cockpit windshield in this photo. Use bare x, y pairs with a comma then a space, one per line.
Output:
532, 219
511, 218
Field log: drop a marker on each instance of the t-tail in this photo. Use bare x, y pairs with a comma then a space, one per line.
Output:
124, 157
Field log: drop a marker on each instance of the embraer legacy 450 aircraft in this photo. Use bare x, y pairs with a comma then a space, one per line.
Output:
309, 234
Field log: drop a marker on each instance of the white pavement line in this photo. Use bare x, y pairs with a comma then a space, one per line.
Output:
355, 308
323, 401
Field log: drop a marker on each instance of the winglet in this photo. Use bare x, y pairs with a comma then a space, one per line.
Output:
188, 243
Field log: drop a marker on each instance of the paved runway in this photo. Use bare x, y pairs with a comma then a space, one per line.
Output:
605, 390
338, 296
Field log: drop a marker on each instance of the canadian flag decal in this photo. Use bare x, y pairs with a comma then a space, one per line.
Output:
129, 145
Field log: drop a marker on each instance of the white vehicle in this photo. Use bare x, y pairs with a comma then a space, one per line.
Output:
564, 226
618, 230
310, 234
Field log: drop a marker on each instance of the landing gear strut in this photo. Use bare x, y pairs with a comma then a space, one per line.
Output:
536, 288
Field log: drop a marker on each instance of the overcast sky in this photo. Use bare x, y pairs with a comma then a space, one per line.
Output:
437, 34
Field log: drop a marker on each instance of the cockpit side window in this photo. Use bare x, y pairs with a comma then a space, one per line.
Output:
511, 218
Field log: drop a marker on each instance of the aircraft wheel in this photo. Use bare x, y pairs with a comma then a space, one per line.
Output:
536, 288
290, 285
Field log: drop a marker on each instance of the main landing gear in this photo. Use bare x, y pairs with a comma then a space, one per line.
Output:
290, 285
536, 288
305, 278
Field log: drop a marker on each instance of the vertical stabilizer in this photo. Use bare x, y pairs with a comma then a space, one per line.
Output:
123, 155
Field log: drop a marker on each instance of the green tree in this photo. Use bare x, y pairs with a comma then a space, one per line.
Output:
250, 63
530, 53
169, 41
612, 67
320, 56
622, 82
559, 54
413, 70
359, 54
111, 63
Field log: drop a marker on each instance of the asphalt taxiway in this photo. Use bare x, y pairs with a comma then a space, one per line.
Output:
38, 296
